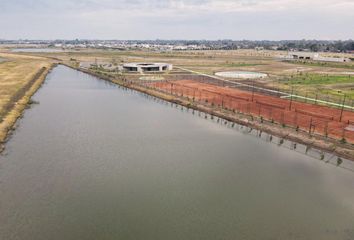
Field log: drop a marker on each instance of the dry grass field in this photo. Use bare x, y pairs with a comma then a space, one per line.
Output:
19, 77
328, 80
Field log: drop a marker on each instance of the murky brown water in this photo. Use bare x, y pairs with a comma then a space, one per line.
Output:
94, 161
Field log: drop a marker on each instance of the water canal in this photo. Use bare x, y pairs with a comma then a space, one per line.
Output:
96, 161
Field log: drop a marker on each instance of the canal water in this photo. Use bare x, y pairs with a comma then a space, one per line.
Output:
95, 161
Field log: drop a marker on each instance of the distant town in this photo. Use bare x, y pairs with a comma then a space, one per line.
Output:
180, 45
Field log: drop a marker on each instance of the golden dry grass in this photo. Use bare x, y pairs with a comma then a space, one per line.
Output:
17, 73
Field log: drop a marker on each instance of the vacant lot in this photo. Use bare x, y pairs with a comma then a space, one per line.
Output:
321, 83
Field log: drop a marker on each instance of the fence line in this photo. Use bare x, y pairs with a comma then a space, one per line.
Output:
313, 123
348, 103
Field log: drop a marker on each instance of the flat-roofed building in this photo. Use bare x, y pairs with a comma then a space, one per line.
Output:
147, 67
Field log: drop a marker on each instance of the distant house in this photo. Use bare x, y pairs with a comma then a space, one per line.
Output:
304, 55
315, 57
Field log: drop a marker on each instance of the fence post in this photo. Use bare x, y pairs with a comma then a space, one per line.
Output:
342, 110
291, 97
252, 90
295, 119
310, 126
259, 110
326, 129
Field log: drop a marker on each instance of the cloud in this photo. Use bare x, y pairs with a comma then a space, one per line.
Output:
213, 19
210, 5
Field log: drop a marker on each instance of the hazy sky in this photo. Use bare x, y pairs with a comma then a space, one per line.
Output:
177, 19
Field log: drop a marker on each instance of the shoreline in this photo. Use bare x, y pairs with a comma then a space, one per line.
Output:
14, 109
325, 145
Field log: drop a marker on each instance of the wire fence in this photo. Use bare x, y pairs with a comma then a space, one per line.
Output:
314, 119
329, 100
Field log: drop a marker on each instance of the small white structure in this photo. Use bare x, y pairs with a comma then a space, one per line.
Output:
314, 56
242, 75
333, 59
147, 67
303, 55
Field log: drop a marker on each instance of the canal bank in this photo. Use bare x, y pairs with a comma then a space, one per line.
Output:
15, 107
331, 146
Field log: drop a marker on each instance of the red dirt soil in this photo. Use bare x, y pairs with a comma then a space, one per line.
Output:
309, 117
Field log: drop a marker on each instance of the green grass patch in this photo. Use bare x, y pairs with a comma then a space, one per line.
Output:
241, 64
324, 64
319, 79
339, 93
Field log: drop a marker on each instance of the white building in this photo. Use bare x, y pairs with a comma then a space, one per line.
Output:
147, 67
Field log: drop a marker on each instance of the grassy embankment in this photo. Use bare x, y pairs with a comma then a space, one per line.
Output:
20, 77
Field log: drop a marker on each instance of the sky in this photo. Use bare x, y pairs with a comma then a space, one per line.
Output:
177, 19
